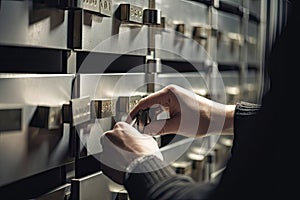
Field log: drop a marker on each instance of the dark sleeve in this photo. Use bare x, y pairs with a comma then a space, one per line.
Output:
163, 183
245, 115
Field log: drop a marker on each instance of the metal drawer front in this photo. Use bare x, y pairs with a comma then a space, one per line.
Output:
229, 39
252, 42
96, 30
23, 24
41, 141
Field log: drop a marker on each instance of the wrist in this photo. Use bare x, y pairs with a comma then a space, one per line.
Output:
229, 119
133, 164
130, 168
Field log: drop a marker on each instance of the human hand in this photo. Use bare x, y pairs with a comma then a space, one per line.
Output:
190, 114
122, 145
183, 107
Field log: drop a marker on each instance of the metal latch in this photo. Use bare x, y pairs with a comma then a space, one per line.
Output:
77, 112
127, 103
124, 104
130, 13
153, 65
47, 117
201, 32
102, 108
152, 17
146, 116
179, 27
103, 7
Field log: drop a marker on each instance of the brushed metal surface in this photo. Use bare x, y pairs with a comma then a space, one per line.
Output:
35, 89
59, 193
232, 86
92, 187
10, 118
197, 82
255, 6
252, 87
172, 45
233, 2
32, 150
99, 86
227, 22
97, 31
230, 38
126, 38
23, 24
253, 44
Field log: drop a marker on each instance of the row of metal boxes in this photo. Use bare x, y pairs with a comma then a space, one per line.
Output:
82, 27
70, 87
227, 33
229, 37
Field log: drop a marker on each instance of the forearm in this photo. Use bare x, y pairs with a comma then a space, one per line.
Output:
229, 120
215, 118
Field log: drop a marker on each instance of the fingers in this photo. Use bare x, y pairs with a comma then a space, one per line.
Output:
122, 133
161, 127
115, 134
160, 98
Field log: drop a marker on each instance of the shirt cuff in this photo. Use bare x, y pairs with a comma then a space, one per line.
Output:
145, 172
134, 164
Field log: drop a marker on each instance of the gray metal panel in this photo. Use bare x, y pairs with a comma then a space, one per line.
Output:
98, 29
97, 186
228, 22
92, 187
171, 46
197, 82
200, 83
233, 2
232, 84
230, 38
253, 29
228, 51
180, 46
35, 89
255, 6
99, 86
22, 24
33, 150
252, 44
252, 87
98, 32
129, 40
187, 12
59, 193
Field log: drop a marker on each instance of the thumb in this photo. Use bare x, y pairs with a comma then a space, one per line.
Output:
161, 127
